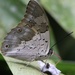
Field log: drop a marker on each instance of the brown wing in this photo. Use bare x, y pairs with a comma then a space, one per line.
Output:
30, 40
35, 17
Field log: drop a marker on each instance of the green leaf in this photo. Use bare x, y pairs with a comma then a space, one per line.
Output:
67, 67
19, 67
12, 11
63, 11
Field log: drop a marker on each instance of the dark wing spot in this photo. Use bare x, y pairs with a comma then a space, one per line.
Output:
43, 39
19, 30
46, 41
41, 50
42, 44
7, 46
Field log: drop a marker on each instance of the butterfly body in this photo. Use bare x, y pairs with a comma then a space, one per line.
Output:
30, 40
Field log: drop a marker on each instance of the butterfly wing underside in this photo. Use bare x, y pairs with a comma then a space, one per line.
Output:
30, 40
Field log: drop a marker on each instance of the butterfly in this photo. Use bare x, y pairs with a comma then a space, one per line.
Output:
30, 39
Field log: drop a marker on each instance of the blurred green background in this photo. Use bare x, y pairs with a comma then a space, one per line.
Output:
61, 14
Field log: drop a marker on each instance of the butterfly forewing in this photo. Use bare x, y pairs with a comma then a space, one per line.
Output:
30, 40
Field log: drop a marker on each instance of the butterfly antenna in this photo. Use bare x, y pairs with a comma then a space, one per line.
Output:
61, 40
57, 43
58, 57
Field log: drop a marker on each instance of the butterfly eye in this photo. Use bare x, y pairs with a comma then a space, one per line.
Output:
19, 30
51, 51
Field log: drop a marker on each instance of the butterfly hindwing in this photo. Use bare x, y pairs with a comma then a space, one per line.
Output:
30, 40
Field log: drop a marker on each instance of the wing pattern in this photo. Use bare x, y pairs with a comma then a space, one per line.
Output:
30, 40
